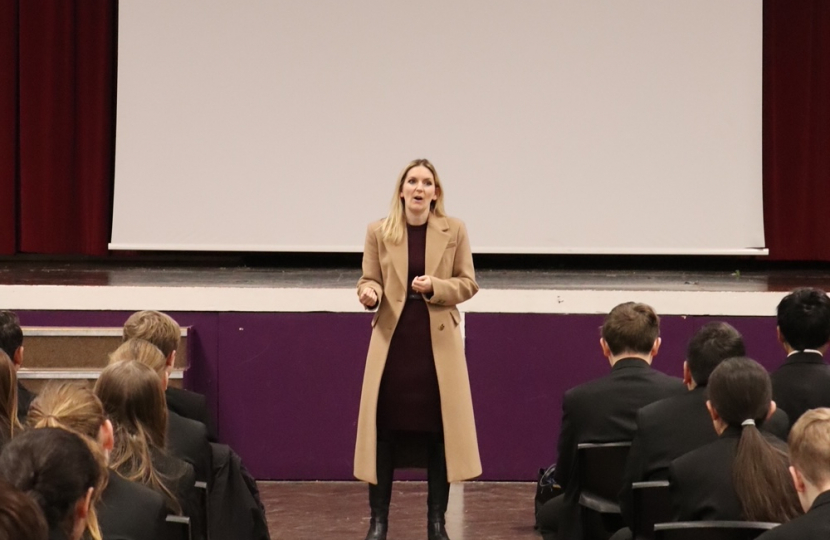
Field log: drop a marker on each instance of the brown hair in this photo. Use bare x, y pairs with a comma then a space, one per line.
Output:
143, 352
810, 446
156, 327
740, 390
395, 223
72, 406
631, 328
9, 424
20, 516
133, 399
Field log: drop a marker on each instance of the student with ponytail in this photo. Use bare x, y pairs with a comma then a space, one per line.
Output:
127, 510
744, 474
9, 424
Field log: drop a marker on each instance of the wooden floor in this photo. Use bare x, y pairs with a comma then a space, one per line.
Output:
340, 511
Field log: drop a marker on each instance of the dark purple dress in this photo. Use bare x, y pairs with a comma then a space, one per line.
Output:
409, 398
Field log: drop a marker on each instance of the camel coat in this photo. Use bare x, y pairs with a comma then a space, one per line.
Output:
449, 262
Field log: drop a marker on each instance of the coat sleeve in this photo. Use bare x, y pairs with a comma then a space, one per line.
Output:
372, 276
462, 285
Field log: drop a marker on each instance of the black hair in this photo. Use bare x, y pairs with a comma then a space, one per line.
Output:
711, 345
804, 319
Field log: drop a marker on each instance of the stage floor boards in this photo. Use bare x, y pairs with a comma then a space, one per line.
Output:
340, 510
97, 274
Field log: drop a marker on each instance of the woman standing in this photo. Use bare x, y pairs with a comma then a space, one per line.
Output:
417, 266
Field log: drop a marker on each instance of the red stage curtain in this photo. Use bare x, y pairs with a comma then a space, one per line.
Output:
797, 129
8, 127
64, 52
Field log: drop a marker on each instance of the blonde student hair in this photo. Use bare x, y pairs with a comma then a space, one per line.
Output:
156, 327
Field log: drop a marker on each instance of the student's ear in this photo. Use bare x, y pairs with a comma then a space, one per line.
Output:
18, 357
798, 480
780, 336
772, 407
606, 350
687, 374
106, 435
656, 347
82, 513
712, 412
171, 359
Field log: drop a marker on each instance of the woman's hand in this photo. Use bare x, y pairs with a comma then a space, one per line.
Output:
368, 297
422, 284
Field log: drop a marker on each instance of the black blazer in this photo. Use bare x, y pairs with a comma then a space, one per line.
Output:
801, 383
670, 428
188, 440
701, 481
24, 401
603, 410
180, 479
131, 511
190, 405
814, 525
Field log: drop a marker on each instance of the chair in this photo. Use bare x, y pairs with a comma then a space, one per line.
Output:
601, 467
711, 530
178, 527
202, 490
651, 504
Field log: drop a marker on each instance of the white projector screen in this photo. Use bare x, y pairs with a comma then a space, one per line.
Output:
557, 126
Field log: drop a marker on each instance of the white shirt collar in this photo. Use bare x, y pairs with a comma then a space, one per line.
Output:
806, 350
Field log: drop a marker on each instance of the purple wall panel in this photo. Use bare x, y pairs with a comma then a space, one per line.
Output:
285, 387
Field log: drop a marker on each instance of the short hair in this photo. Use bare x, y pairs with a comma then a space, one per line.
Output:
711, 345
53, 466
631, 327
11, 336
156, 327
20, 516
804, 318
810, 446
143, 352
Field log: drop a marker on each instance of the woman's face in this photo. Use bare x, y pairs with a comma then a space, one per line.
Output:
418, 190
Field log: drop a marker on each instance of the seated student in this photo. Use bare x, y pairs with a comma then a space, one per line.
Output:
810, 469
20, 516
59, 471
9, 423
801, 383
133, 399
660, 437
186, 439
127, 510
742, 476
11, 343
162, 331
604, 410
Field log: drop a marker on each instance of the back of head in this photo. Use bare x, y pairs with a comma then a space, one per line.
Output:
740, 391
631, 328
9, 423
711, 345
11, 336
810, 446
68, 405
804, 319
55, 468
141, 351
20, 517
158, 328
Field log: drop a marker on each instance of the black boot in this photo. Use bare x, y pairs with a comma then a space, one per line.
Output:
380, 494
438, 491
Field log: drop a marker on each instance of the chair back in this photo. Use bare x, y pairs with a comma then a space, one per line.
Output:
601, 467
651, 503
711, 530
178, 527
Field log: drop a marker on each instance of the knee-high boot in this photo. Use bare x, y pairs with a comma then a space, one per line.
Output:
380, 494
438, 491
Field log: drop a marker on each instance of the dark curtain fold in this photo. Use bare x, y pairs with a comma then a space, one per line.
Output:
797, 129
8, 128
65, 105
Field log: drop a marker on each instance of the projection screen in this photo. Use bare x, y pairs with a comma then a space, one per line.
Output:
556, 126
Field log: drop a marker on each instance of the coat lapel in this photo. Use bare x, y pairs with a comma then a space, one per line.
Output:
399, 256
438, 236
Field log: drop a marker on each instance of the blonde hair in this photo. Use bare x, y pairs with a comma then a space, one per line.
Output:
156, 327
132, 396
395, 223
74, 408
810, 446
143, 352
9, 424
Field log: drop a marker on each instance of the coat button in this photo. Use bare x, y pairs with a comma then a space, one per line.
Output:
441, 327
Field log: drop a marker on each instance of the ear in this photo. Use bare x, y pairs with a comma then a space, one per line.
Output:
656, 347
798, 480
687, 374
712, 412
83, 505
606, 350
772, 407
18, 357
437, 192
780, 336
106, 435
171, 359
